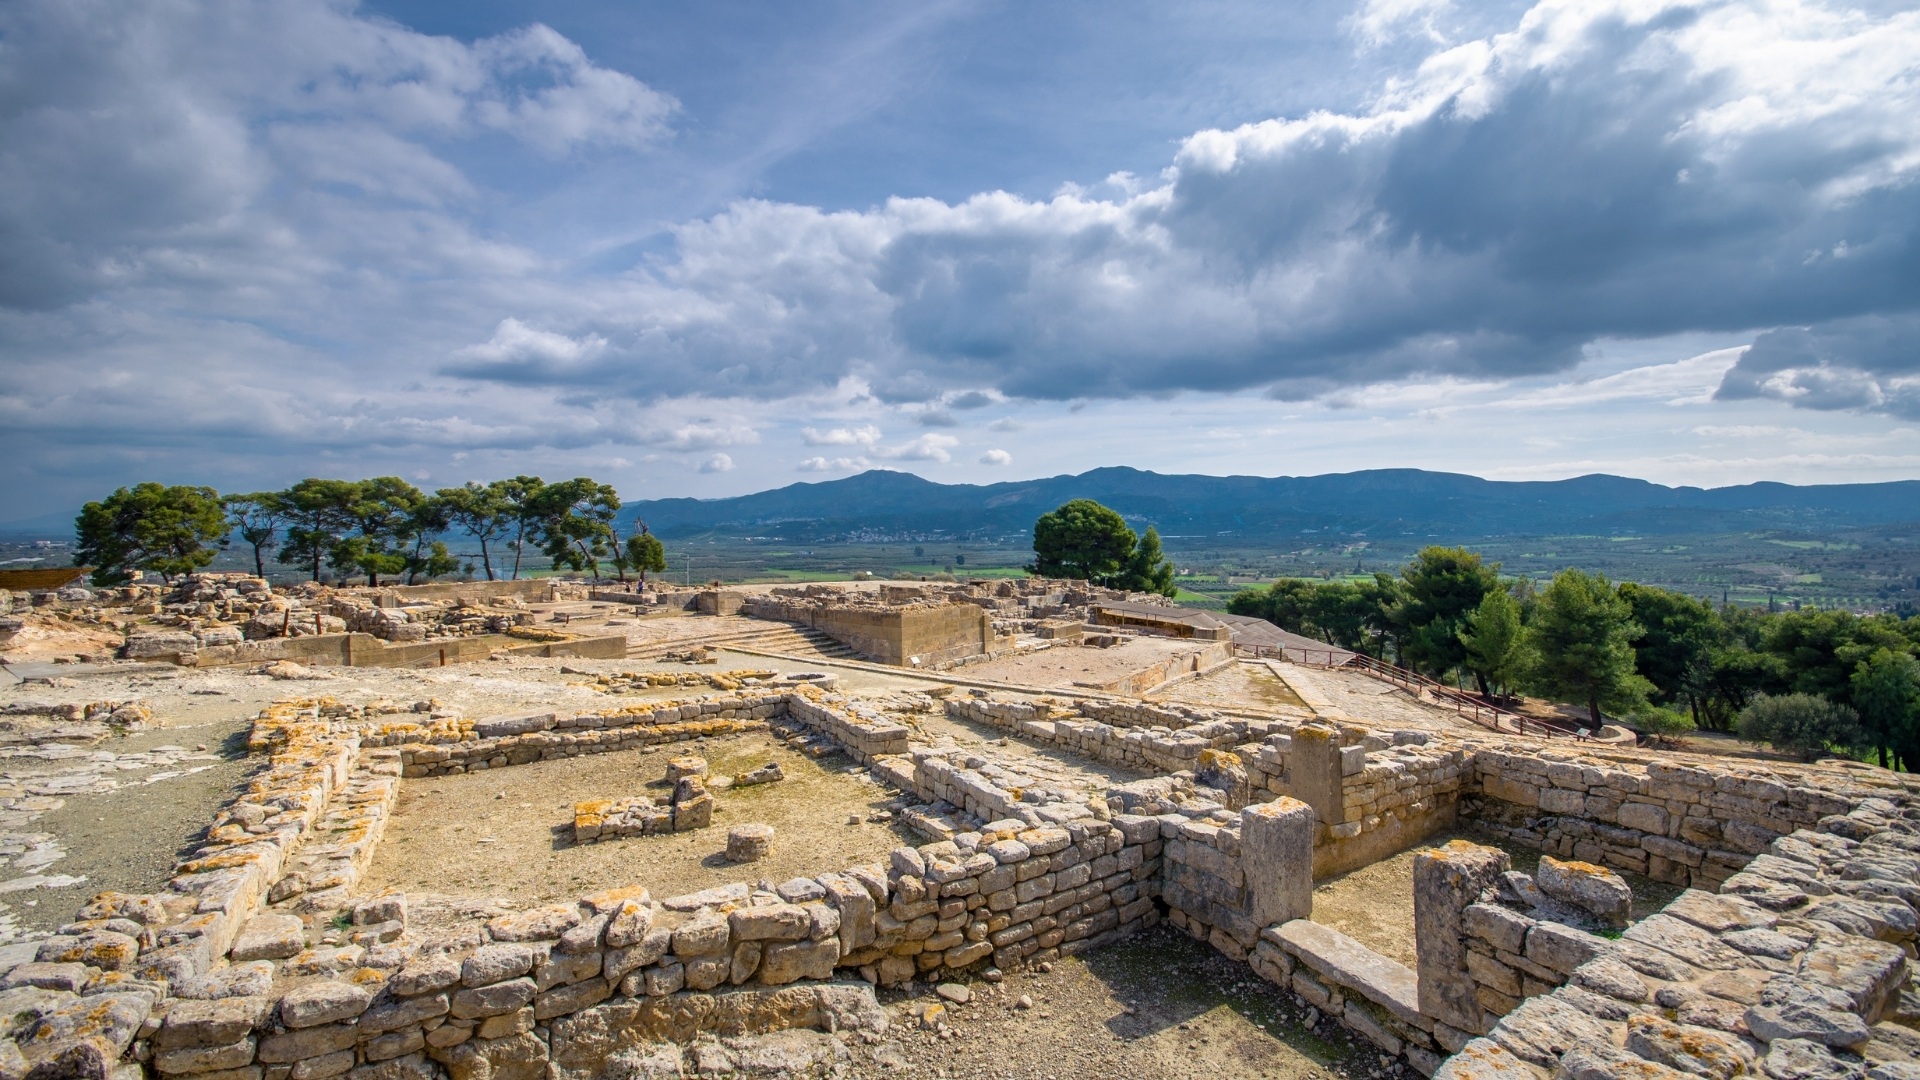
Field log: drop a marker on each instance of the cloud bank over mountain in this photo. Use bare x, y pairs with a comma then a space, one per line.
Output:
281, 231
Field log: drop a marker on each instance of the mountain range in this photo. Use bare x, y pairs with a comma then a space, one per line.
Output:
1377, 503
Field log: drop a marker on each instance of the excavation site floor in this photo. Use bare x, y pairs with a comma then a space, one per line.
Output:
508, 833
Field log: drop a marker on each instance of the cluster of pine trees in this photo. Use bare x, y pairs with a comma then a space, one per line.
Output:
382, 527
1809, 681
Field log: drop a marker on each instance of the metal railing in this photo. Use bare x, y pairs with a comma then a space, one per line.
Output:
1491, 717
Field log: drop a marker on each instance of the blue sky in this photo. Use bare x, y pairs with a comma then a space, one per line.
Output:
706, 249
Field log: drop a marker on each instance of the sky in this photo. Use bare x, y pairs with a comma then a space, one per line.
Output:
706, 249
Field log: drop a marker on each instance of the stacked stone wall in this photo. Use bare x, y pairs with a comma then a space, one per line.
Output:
1799, 967
1143, 738
1672, 822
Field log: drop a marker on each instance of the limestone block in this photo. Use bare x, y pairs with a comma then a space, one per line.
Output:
48, 976
786, 963
1500, 927
504, 997
426, 974
516, 1057
1603, 1061
290, 1046
705, 935
1869, 973
105, 949
322, 1003
1612, 978
1594, 889
1692, 1050
629, 924
400, 1013
205, 1059
385, 908
535, 924
1561, 948
496, 963
270, 937
1446, 881
1484, 1059
211, 1023
771, 922
748, 843
689, 765
1803, 1059
1644, 817
494, 727
1719, 914
1684, 941
1543, 1028
1344, 961
1276, 859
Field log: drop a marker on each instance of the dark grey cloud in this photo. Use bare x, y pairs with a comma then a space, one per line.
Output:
1869, 363
262, 228
1611, 171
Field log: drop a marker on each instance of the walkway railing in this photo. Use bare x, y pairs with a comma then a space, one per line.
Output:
1487, 716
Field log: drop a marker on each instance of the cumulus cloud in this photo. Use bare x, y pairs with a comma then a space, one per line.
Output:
284, 200
193, 143
996, 457
718, 463
1870, 363
515, 346
703, 435
865, 435
924, 448
838, 464
1622, 169
936, 418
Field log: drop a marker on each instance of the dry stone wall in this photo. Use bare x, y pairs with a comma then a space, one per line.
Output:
1672, 822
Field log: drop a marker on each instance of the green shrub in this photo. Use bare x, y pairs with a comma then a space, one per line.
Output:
1803, 724
1659, 724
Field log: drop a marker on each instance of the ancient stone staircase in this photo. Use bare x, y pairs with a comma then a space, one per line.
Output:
783, 638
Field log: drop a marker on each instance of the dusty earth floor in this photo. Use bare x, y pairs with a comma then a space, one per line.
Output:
91, 812
1243, 685
1077, 666
508, 833
1372, 702
1158, 1005
1374, 904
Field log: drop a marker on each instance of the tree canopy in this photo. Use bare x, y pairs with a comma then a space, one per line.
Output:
168, 530
1580, 645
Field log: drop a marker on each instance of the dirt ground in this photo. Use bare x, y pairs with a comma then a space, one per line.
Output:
1369, 701
1158, 1005
1374, 904
1237, 686
1069, 666
508, 833
49, 636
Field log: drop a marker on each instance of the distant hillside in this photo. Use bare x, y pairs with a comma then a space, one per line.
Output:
1379, 503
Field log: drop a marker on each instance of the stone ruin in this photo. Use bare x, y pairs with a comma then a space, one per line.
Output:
1787, 954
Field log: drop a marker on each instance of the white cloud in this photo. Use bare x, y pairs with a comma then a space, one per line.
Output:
545, 91
996, 457
839, 464
866, 435
290, 201
924, 448
1381, 21
718, 463
705, 435
514, 342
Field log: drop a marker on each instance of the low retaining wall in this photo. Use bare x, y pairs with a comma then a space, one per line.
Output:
1671, 822
925, 636
365, 650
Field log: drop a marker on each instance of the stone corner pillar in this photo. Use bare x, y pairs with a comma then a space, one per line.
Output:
1276, 854
1446, 880
1313, 771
